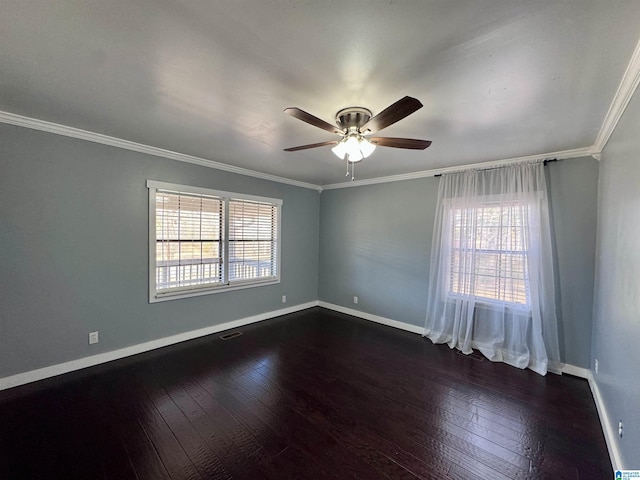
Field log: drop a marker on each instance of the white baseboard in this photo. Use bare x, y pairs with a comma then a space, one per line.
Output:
610, 435
374, 318
66, 367
575, 371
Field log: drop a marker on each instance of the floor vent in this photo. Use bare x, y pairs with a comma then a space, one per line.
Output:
474, 355
229, 336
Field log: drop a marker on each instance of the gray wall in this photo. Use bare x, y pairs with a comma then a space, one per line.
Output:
375, 242
573, 192
74, 250
616, 325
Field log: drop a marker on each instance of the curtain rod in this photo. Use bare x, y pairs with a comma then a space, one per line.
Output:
544, 162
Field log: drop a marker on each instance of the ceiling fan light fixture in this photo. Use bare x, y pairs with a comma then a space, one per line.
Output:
366, 147
354, 148
340, 150
355, 156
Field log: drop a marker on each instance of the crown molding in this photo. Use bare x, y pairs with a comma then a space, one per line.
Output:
560, 155
621, 99
50, 127
58, 129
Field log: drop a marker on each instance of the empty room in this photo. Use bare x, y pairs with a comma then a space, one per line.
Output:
315, 239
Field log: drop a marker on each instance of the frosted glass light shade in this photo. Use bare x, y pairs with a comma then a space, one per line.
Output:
354, 148
340, 150
366, 147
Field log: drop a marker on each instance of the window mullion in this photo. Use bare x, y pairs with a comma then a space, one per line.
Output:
471, 246
500, 267
225, 243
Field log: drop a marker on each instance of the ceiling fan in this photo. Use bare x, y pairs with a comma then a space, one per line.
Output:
355, 125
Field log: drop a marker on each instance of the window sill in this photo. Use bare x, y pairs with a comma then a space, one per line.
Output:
163, 297
487, 304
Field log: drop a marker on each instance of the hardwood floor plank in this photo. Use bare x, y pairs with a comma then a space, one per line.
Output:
165, 442
331, 422
315, 442
123, 425
331, 407
460, 439
504, 437
144, 457
168, 402
231, 445
243, 417
475, 471
295, 464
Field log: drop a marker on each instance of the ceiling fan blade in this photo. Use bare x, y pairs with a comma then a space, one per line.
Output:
312, 145
411, 143
393, 113
310, 119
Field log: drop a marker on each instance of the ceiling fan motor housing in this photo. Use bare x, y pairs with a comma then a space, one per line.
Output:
352, 118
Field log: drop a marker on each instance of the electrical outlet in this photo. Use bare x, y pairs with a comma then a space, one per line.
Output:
595, 366
93, 338
284, 299
620, 426
355, 300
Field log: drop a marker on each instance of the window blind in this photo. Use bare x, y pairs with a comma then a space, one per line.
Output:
189, 230
252, 240
488, 252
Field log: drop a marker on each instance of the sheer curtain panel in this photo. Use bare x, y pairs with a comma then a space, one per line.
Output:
491, 284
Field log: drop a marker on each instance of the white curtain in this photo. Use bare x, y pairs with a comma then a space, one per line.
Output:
491, 284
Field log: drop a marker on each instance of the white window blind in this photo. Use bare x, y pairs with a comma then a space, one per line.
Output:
189, 231
488, 252
204, 241
252, 240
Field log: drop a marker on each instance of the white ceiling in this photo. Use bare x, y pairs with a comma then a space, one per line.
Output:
498, 78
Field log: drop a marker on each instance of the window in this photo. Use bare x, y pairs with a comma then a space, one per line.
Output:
491, 280
488, 257
205, 241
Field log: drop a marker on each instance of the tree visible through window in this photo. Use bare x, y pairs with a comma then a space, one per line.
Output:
488, 252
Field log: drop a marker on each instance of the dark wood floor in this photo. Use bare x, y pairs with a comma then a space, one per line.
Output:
314, 394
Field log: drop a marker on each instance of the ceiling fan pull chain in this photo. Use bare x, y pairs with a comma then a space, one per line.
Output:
347, 174
353, 171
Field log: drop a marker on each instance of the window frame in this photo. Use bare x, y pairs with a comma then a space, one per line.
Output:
450, 204
185, 292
